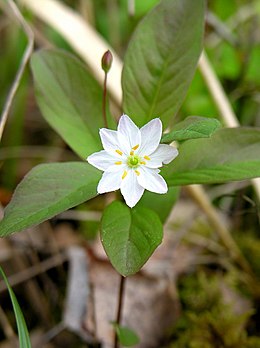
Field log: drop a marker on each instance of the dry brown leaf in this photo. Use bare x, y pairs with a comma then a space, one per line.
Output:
150, 305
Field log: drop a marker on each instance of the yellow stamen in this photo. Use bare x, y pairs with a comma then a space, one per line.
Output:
118, 162
137, 173
142, 162
147, 158
119, 152
135, 147
124, 174
131, 153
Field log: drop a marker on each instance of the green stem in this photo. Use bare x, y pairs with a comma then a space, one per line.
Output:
119, 308
105, 101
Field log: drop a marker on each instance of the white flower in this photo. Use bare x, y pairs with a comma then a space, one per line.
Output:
131, 158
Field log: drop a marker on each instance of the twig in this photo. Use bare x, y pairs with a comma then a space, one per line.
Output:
53, 332
131, 7
207, 243
221, 101
202, 200
243, 14
216, 90
19, 74
82, 38
7, 328
221, 29
33, 271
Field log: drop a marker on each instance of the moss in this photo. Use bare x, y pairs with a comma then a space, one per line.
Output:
250, 247
207, 321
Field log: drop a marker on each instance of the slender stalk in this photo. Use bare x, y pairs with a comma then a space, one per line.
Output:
26, 56
104, 103
106, 63
119, 308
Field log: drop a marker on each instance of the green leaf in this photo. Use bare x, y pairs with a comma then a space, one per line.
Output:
193, 127
126, 336
161, 60
24, 339
47, 190
230, 154
129, 236
160, 204
69, 99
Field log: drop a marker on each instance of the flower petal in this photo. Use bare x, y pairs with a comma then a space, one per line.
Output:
128, 134
109, 139
130, 189
151, 134
111, 180
164, 154
102, 160
151, 180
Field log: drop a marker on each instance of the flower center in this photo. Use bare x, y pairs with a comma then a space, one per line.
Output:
133, 161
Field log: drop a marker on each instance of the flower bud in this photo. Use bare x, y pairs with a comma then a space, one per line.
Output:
106, 61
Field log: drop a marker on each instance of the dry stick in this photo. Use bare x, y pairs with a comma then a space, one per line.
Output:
83, 39
7, 328
221, 101
216, 90
89, 45
25, 59
26, 274
131, 8
221, 29
243, 14
200, 197
92, 310
119, 308
230, 120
